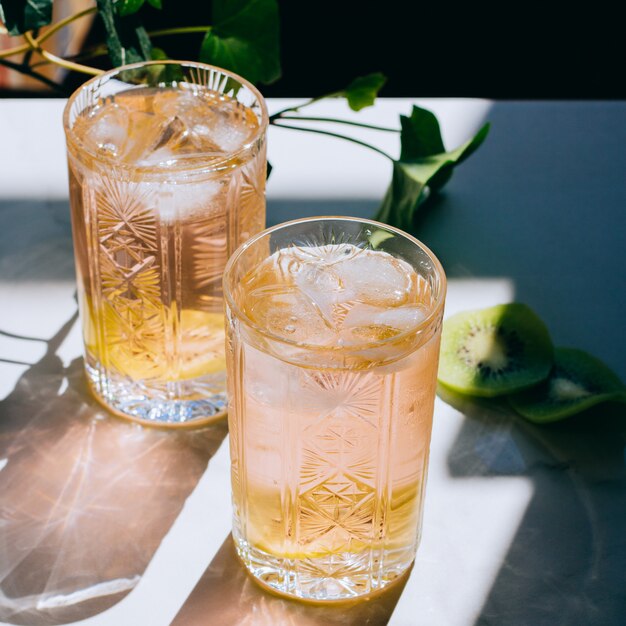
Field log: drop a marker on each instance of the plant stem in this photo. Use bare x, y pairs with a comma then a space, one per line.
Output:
29, 54
53, 29
335, 120
337, 135
90, 53
179, 31
100, 50
29, 72
296, 108
9, 52
76, 67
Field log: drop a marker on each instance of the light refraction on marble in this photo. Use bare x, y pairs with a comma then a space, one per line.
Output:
85, 498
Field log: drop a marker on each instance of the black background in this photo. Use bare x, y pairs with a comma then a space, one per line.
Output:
512, 51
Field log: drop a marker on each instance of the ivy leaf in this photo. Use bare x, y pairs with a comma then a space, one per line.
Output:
126, 39
362, 91
411, 177
128, 7
20, 16
244, 39
420, 135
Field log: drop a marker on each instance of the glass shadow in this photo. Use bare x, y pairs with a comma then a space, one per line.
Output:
86, 497
228, 596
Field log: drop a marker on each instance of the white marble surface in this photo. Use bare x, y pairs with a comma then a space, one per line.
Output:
523, 525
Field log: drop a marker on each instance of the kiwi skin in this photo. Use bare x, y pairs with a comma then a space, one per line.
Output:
494, 351
577, 382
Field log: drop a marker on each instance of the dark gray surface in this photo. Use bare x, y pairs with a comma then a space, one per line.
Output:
544, 203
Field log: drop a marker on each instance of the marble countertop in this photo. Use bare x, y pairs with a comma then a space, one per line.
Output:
104, 523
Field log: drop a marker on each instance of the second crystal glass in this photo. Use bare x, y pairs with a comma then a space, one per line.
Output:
333, 343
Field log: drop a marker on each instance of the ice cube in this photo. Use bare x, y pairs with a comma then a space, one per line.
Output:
212, 127
266, 378
366, 322
179, 200
171, 141
173, 133
286, 265
402, 318
322, 287
376, 278
106, 129
285, 312
229, 136
144, 133
168, 103
360, 325
361, 314
325, 255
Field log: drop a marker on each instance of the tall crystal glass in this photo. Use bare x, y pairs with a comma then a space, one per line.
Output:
167, 176
332, 350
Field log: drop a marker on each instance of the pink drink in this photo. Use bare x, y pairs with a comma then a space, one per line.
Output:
167, 178
333, 353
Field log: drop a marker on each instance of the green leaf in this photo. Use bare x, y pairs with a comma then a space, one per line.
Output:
420, 135
20, 16
411, 178
362, 91
158, 54
126, 39
143, 39
244, 39
128, 7
402, 198
157, 4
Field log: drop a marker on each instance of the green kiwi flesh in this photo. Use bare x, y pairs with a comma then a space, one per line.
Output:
494, 351
577, 382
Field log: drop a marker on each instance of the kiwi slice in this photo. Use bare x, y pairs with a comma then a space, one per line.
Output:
494, 351
577, 381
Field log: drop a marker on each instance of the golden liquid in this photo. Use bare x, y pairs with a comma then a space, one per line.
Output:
330, 462
154, 224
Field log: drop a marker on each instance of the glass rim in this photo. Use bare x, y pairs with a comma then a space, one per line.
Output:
208, 166
433, 314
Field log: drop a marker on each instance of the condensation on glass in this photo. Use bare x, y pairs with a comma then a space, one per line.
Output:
333, 329
167, 176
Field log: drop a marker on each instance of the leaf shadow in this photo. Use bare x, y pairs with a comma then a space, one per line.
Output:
86, 498
227, 595
567, 554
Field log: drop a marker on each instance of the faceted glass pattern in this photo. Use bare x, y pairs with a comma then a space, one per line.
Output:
329, 445
153, 232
